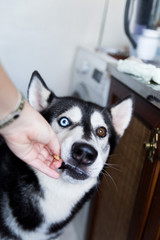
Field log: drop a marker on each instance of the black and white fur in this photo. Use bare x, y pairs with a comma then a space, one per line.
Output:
34, 206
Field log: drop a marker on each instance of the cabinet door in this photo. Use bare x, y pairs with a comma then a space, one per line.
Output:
152, 228
121, 207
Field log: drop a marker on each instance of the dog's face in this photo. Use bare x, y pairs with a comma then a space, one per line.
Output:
87, 132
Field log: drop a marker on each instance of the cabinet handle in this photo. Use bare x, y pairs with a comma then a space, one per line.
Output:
152, 146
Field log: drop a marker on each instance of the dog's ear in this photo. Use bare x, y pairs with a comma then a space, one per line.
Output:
39, 95
121, 115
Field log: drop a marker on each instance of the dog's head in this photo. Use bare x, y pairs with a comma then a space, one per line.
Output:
87, 132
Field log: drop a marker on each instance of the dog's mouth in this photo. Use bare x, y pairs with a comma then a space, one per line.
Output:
74, 171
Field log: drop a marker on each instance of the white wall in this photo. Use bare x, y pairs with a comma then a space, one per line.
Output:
43, 35
114, 35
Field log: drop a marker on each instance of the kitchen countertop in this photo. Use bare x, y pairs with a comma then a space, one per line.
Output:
149, 91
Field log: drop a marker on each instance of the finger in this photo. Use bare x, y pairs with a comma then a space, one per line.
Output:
42, 166
55, 165
48, 149
44, 152
54, 145
46, 161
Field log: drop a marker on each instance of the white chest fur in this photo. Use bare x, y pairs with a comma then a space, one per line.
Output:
61, 196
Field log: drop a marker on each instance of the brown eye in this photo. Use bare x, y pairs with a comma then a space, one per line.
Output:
101, 132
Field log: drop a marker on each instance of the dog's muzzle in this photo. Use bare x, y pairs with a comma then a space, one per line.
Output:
82, 156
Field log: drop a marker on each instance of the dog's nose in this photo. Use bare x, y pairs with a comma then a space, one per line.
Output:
84, 153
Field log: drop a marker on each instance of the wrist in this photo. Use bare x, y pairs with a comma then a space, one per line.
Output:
14, 114
8, 94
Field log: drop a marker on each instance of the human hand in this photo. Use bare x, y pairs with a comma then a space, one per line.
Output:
32, 139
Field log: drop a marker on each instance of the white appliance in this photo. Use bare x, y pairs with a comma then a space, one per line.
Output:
90, 80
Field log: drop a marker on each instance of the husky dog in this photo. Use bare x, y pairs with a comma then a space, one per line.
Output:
34, 206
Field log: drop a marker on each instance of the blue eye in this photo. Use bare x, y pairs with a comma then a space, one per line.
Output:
64, 122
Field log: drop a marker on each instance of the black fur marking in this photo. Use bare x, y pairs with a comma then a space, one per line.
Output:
21, 185
113, 137
5, 231
58, 226
75, 125
55, 236
86, 127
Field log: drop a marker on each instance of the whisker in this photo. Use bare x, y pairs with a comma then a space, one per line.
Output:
105, 173
112, 166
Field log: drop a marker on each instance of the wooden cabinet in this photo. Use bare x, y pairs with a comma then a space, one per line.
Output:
127, 204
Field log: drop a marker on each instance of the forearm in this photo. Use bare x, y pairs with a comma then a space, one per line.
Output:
8, 95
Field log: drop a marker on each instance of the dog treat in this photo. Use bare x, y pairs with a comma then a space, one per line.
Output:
56, 157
